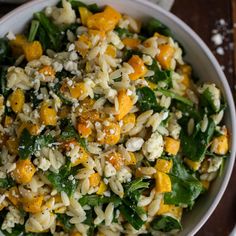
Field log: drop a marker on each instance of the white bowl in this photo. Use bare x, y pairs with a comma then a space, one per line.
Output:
204, 64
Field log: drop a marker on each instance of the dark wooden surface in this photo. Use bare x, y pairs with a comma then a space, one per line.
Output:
203, 16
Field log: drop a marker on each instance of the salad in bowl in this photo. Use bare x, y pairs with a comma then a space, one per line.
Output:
105, 129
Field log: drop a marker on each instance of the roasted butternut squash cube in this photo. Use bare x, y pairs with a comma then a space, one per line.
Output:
171, 145
111, 134
139, 68
24, 171
163, 182
94, 179
165, 56
115, 159
220, 145
125, 104
164, 165
17, 100
32, 205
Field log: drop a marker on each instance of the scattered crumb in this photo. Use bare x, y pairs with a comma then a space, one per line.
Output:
220, 51
217, 39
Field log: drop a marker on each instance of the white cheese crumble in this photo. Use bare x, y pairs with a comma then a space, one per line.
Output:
134, 144
153, 147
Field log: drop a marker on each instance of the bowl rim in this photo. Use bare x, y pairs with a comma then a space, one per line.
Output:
219, 71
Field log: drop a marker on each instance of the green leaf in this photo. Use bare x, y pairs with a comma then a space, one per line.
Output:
33, 30
155, 26
188, 111
207, 100
135, 185
29, 144
5, 53
61, 182
175, 96
147, 100
95, 200
65, 220
3, 82
125, 33
160, 75
6, 183
76, 4
195, 146
51, 31
69, 132
131, 216
165, 224
185, 187
128, 53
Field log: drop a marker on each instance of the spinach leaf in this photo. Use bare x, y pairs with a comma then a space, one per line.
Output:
3, 82
89, 221
207, 100
43, 38
175, 96
52, 32
6, 183
185, 187
65, 220
95, 200
69, 132
33, 30
32, 97
147, 100
128, 53
165, 224
5, 52
122, 32
29, 144
61, 182
135, 185
195, 146
131, 215
188, 111
154, 26
125, 33
92, 7
160, 75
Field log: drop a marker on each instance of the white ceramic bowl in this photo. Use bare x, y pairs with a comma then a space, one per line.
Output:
204, 64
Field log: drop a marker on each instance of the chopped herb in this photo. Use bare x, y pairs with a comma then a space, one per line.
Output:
61, 182
65, 220
29, 144
6, 182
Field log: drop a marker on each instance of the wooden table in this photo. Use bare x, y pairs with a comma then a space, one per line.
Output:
203, 17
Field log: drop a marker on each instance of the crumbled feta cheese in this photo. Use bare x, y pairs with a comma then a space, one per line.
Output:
70, 66
153, 147
57, 66
109, 170
134, 144
71, 47
11, 36
124, 175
